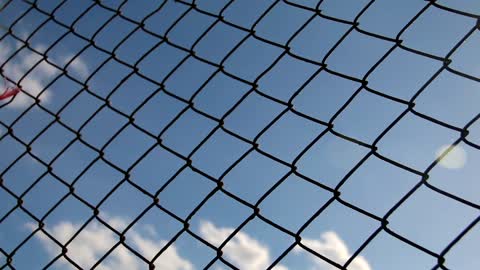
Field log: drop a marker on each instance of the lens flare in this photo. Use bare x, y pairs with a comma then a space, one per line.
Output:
455, 159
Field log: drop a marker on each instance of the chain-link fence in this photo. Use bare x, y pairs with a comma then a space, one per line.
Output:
32, 103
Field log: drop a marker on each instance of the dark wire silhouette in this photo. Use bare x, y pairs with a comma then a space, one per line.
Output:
256, 213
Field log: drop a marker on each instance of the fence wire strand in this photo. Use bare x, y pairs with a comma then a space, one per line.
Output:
354, 26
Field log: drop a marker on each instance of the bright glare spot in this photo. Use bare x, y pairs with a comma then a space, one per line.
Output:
455, 159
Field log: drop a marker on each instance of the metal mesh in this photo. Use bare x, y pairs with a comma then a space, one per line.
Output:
328, 126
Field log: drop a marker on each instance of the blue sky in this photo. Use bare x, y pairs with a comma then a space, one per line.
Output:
284, 115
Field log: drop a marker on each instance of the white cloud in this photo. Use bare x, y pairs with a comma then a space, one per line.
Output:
34, 82
78, 65
169, 260
242, 250
333, 247
95, 240
37, 79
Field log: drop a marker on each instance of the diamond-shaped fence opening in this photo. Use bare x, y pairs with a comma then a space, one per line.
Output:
279, 134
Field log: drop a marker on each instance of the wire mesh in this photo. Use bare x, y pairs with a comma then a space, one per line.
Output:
254, 145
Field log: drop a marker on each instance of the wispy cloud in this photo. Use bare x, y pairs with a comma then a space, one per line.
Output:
242, 250
38, 78
78, 66
95, 240
34, 82
333, 247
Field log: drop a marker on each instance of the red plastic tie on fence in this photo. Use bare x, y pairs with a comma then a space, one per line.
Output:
9, 91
